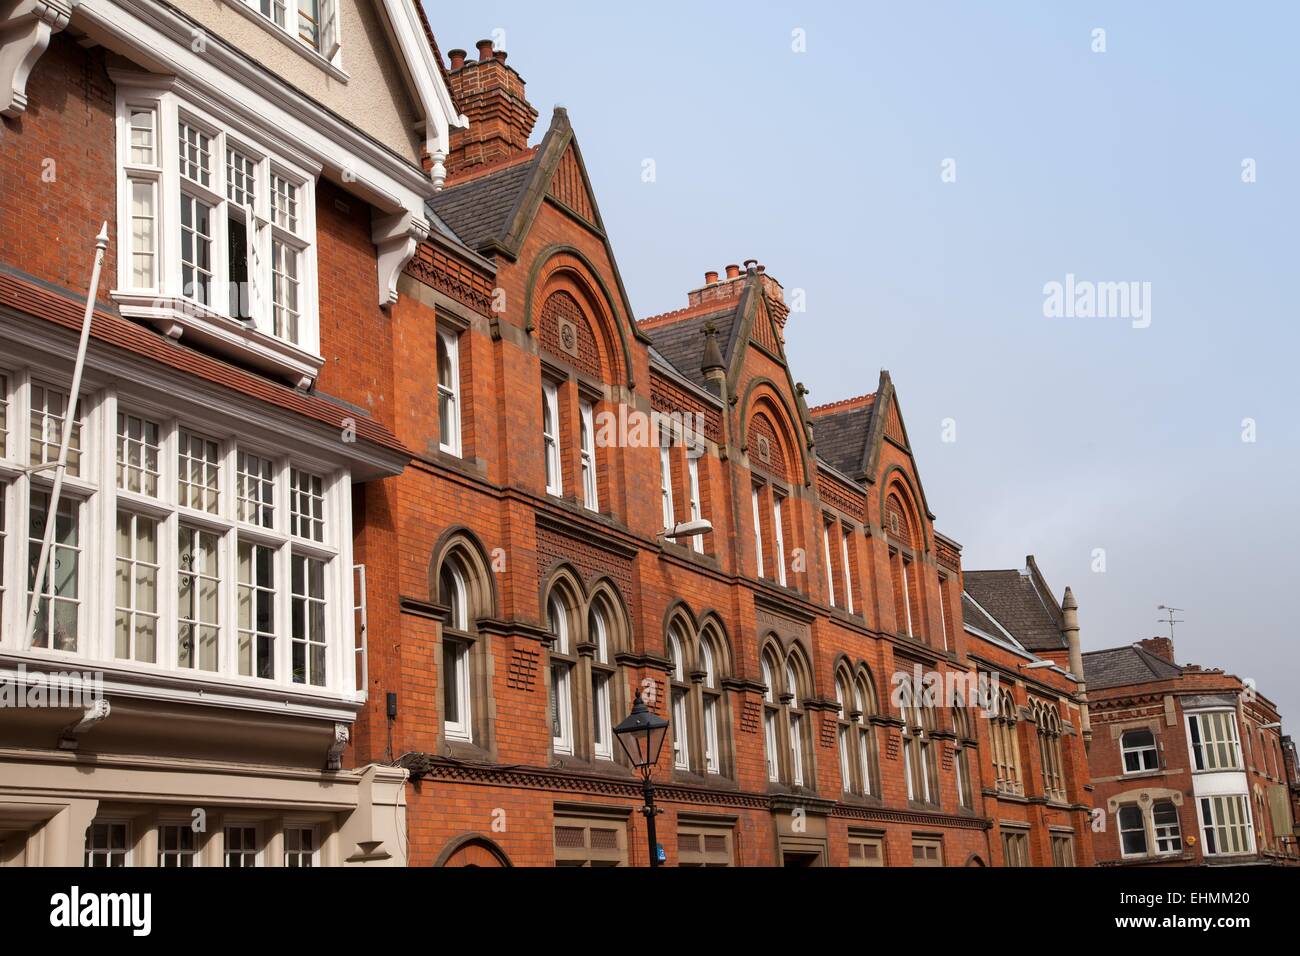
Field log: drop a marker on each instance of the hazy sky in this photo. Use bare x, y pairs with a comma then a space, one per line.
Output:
1072, 434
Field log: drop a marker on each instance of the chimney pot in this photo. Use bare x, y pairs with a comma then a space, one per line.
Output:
484, 50
500, 55
457, 58
733, 271
710, 278
751, 265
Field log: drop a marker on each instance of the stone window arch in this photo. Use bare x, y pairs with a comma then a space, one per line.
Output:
1048, 721
1006, 748
463, 591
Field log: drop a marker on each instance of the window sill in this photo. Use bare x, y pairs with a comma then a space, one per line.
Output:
177, 318
306, 52
203, 687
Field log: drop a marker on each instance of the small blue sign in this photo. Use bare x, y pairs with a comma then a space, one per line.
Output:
660, 855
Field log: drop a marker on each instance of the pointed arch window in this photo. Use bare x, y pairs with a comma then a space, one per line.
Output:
1049, 749
711, 705
464, 592
602, 679
680, 692
1006, 747
856, 735
961, 760
919, 767
770, 714
562, 665
786, 724
455, 656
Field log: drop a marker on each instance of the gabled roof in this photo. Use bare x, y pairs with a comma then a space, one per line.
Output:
1119, 666
479, 209
492, 209
973, 615
841, 430
1015, 601
681, 343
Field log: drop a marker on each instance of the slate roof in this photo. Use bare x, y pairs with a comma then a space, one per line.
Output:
1014, 601
841, 436
1118, 666
682, 343
479, 211
975, 617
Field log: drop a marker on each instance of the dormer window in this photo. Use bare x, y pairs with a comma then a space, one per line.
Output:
217, 233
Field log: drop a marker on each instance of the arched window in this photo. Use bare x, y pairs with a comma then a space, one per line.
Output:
961, 725
599, 633
680, 699
711, 703
1006, 748
864, 699
456, 704
1049, 749
771, 712
855, 734
919, 768
786, 725
903, 550
796, 723
563, 659
464, 589
844, 734
698, 713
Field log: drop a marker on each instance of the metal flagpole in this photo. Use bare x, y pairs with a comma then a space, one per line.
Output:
69, 419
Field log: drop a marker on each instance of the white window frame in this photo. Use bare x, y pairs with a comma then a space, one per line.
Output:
666, 481
848, 572
710, 705
680, 697
90, 850
830, 568
561, 679
778, 535
458, 602
311, 856
693, 483
1141, 828
907, 593
602, 743
758, 530
1125, 749
1205, 750
1244, 827
327, 49
551, 438
587, 450
449, 392
98, 500
164, 302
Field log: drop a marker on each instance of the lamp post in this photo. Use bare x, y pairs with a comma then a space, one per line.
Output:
641, 734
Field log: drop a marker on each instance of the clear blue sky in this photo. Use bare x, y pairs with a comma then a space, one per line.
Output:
1072, 434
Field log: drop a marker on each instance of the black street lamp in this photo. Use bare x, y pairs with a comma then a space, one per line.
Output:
641, 735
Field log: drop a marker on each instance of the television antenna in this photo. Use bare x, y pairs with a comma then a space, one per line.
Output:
1170, 620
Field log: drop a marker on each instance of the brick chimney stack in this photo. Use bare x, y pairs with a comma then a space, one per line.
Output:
491, 95
733, 283
1161, 647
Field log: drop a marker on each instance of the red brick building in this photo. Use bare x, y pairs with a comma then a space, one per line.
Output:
263, 177
1187, 763
1037, 737
525, 579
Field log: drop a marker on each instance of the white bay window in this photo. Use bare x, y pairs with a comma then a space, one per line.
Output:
201, 554
217, 231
